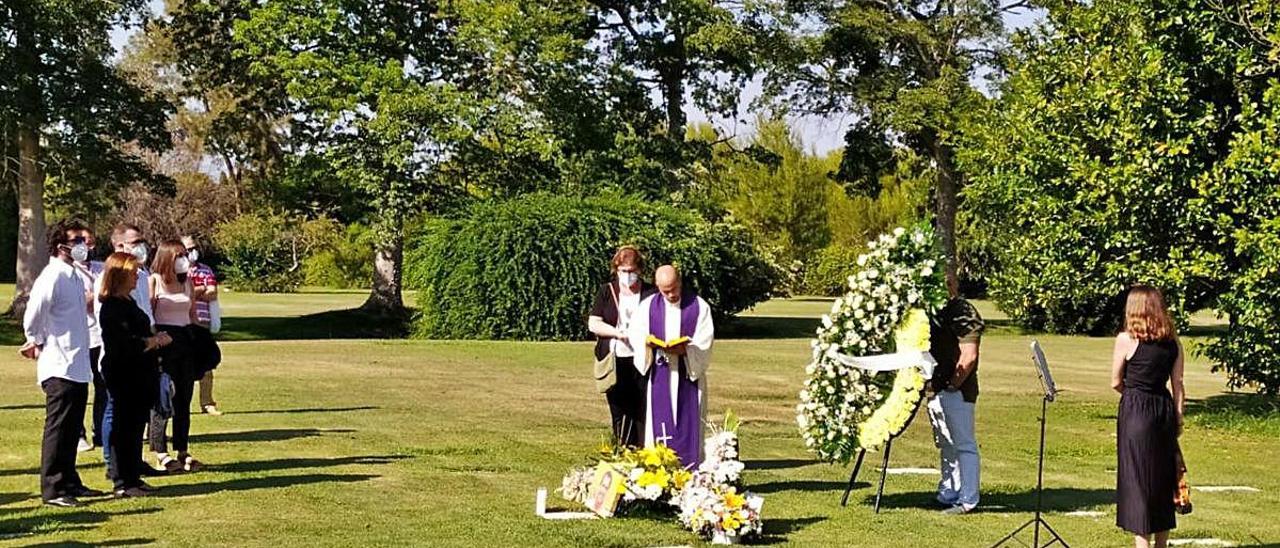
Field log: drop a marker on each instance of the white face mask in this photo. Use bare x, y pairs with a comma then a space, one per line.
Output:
182, 265
80, 253
194, 255
140, 253
628, 279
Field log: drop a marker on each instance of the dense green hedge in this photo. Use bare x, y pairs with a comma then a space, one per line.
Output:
259, 253
528, 268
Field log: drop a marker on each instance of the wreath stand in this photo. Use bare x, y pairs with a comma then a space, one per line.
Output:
884, 466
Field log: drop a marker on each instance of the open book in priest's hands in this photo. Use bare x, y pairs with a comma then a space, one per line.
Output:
668, 344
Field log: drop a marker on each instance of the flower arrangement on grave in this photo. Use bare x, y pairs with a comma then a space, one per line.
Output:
711, 500
847, 405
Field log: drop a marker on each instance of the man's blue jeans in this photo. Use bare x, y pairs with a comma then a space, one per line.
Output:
953, 433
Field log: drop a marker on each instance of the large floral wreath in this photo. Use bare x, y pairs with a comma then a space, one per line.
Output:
849, 403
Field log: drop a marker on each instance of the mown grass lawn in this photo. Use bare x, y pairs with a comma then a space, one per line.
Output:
347, 442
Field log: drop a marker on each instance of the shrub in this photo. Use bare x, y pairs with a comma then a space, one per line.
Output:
828, 274
528, 268
341, 257
260, 253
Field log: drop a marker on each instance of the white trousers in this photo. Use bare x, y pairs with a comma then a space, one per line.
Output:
953, 433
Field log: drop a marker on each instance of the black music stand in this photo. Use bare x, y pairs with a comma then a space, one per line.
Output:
1050, 392
884, 466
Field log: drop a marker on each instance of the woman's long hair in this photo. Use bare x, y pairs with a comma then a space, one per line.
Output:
1146, 316
119, 277
166, 255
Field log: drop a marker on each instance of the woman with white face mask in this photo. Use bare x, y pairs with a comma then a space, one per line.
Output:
616, 303
175, 313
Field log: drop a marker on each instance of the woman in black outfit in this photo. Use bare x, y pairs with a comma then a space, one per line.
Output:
130, 369
615, 304
1147, 356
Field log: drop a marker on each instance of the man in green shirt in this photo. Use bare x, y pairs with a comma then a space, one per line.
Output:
955, 333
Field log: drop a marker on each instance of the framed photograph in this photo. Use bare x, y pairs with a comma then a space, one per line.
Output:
1042, 368
606, 489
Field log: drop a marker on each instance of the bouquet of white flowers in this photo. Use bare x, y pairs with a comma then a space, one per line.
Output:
842, 407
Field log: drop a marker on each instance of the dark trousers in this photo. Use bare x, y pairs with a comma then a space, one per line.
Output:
129, 414
626, 404
64, 405
183, 388
99, 398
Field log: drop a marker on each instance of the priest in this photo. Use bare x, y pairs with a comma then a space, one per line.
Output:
677, 391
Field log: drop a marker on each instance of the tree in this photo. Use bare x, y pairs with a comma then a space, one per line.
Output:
681, 47
1139, 140
68, 120
904, 68
377, 97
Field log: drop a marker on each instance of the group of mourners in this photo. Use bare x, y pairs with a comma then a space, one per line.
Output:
657, 393
139, 332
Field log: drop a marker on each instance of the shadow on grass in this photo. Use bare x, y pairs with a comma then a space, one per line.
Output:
776, 530
335, 324
22, 407
78, 544
1055, 500
11, 331
82, 519
279, 434
14, 498
306, 410
836, 487
768, 327
81, 467
249, 484
1245, 413
293, 463
778, 464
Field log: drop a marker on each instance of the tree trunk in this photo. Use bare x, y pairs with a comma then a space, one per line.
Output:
673, 96
947, 202
31, 256
388, 266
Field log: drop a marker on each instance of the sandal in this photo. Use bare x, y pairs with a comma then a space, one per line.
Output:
171, 465
190, 464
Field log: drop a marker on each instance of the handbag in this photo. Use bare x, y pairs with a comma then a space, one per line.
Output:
1182, 496
605, 370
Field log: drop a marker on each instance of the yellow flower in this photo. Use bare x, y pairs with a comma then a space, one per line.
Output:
912, 335
730, 522
680, 478
733, 501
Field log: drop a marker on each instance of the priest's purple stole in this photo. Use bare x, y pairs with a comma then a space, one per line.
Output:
683, 431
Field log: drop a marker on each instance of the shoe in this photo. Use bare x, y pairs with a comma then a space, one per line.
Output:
170, 465
85, 492
146, 487
64, 502
211, 410
957, 510
147, 471
942, 504
190, 464
84, 446
132, 492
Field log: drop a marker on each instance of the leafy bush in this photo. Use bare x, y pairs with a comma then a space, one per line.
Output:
528, 268
261, 252
340, 257
828, 273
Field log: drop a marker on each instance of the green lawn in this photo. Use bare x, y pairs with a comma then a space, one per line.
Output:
382, 443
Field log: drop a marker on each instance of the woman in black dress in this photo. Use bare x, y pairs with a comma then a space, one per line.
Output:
130, 369
1147, 368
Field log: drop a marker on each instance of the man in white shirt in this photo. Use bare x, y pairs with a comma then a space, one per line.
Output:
57, 334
